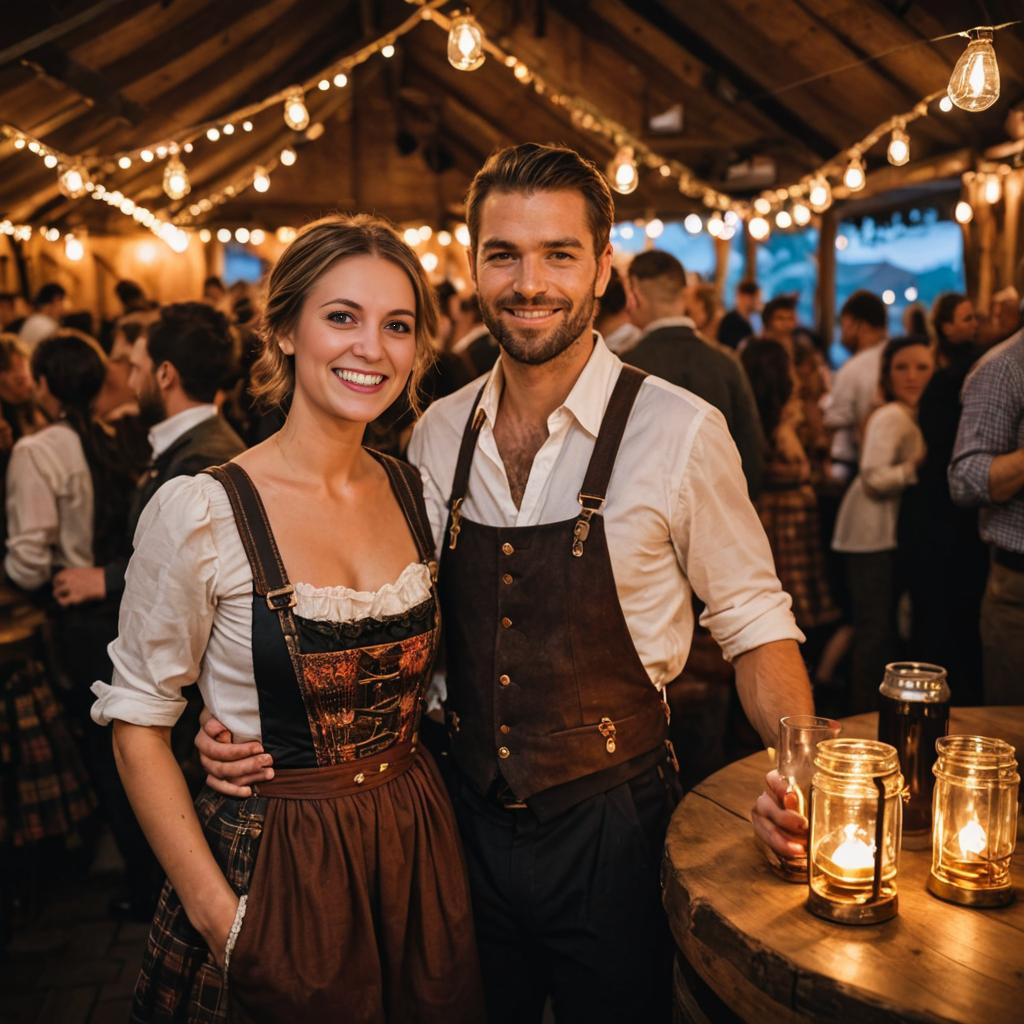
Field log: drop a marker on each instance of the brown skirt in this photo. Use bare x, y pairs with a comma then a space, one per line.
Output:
358, 907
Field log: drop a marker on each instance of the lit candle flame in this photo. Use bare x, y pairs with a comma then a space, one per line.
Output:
853, 854
972, 839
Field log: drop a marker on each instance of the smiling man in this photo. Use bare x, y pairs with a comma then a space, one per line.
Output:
577, 505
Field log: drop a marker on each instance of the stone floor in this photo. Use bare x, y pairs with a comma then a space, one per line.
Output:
71, 964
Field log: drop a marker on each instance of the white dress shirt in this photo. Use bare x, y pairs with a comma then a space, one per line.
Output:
49, 506
186, 614
868, 515
622, 338
677, 520
36, 328
166, 432
667, 321
855, 393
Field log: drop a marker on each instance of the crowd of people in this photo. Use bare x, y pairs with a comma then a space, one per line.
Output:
867, 480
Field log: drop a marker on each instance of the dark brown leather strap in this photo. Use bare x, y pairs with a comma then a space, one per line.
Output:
408, 487
609, 437
460, 482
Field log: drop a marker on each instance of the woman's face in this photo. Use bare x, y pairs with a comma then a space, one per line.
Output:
355, 339
910, 372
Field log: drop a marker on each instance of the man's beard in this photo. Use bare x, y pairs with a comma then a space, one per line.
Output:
533, 350
152, 409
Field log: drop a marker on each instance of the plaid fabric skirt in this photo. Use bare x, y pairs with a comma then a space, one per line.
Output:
44, 787
358, 908
790, 519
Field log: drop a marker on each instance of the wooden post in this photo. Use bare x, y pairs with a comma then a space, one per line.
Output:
749, 255
985, 240
1009, 237
723, 247
825, 299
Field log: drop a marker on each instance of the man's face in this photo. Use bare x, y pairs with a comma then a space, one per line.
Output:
963, 328
782, 324
536, 272
16, 385
142, 380
849, 329
747, 303
638, 303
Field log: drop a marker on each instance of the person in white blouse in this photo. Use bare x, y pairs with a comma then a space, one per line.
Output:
565, 621
865, 529
294, 584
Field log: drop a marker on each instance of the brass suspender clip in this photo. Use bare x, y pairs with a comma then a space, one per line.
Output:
590, 505
283, 597
453, 532
606, 728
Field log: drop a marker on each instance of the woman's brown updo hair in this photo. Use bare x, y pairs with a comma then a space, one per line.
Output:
317, 248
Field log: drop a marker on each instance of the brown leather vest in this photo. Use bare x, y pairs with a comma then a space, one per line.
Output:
545, 685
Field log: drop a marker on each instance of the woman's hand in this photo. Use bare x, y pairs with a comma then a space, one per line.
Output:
230, 767
776, 824
214, 922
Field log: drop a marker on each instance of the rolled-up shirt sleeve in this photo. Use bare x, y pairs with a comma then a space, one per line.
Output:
722, 547
166, 612
987, 423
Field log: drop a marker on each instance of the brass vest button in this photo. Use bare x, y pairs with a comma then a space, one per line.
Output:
507, 578
506, 623
359, 779
504, 752
507, 549
504, 680
504, 730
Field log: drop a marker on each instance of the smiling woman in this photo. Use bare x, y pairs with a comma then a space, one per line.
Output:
274, 889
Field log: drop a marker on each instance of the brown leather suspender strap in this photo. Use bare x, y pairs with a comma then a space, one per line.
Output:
460, 482
599, 472
269, 579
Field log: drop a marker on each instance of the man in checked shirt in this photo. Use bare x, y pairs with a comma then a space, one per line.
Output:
987, 471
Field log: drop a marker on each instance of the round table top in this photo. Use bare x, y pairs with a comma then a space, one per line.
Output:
747, 934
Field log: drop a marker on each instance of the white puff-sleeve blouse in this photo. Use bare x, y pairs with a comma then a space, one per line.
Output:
186, 613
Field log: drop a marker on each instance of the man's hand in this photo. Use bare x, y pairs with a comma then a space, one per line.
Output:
776, 824
76, 586
230, 767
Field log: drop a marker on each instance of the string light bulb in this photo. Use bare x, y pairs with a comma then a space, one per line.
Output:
257, 236
285, 235
72, 181
623, 172
854, 177
465, 43
820, 195
716, 226
340, 80
288, 156
223, 235
205, 235
693, 224
762, 206
176, 183
945, 104
758, 228
783, 220
50, 160
146, 156
462, 235
261, 179
654, 228
974, 84
898, 152
387, 51
992, 190
964, 212
296, 116
74, 250
801, 215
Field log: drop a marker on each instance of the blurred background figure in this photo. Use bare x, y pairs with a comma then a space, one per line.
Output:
48, 308
613, 323
705, 310
740, 322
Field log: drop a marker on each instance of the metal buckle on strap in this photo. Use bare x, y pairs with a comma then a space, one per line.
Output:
590, 505
274, 598
453, 533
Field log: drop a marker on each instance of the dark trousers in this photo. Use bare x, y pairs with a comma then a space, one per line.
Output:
1002, 632
873, 591
571, 908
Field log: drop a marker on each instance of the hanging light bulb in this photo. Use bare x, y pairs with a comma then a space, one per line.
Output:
288, 156
223, 235
992, 190
257, 236
693, 224
974, 84
854, 177
296, 116
205, 235
716, 226
623, 172
899, 147
72, 181
758, 228
465, 43
964, 212
261, 179
242, 235
783, 220
387, 51
654, 228
762, 206
462, 235
820, 195
73, 248
945, 104
444, 239
801, 215
286, 235
176, 183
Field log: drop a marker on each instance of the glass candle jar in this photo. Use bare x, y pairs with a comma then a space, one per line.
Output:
856, 818
974, 821
913, 712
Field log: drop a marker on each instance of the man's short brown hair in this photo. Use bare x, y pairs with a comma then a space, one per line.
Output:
532, 167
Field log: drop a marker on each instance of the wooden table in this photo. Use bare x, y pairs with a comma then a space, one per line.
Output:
750, 950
